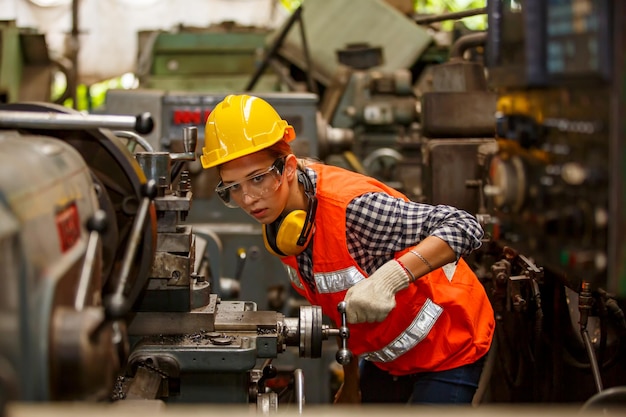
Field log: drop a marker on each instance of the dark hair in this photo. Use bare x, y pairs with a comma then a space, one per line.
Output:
280, 148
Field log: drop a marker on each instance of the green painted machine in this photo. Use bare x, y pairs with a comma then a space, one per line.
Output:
218, 58
26, 69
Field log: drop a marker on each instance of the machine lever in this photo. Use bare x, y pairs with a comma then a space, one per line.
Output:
190, 141
142, 123
96, 225
118, 304
343, 356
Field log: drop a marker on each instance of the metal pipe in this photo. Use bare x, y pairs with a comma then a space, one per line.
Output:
466, 42
585, 302
595, 370
298, 377
135, 140
73, 52
141, 123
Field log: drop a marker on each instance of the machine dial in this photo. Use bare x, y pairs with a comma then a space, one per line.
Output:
507, 182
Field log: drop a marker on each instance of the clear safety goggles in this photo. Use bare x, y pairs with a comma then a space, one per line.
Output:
254, 186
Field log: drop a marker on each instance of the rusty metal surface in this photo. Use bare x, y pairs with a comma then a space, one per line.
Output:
458, 114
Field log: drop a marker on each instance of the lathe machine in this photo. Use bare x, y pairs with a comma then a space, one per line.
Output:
107, 294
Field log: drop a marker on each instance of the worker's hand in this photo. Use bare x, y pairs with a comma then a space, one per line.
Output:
371, 299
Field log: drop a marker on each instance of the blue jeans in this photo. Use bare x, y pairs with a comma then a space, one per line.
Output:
454, 386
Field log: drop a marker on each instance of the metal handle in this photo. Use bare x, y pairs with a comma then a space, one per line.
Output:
343, 356
118, 304
190, 142
96, 225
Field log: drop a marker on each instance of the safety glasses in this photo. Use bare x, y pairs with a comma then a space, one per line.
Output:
254, 186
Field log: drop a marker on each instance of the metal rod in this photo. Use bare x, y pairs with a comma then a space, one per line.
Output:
96, 226
466, 42
595, 370
135, 140
87, 270
298, 377
423, 20
142, 123
74, 49
273, 49
133, 244
307, 57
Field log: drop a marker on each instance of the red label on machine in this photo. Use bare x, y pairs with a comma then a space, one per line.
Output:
68, 226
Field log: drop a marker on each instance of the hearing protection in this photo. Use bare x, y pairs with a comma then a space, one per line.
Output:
289, 235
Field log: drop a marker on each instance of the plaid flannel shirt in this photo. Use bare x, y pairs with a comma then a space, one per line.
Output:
378, 225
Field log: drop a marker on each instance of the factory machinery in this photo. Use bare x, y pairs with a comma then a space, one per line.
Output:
108, 292
115, 277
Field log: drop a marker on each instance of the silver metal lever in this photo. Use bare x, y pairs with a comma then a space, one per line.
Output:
343, 356
119, 303
97, 226
190, 142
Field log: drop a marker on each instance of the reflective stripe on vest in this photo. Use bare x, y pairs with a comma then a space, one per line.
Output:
329, 282
417, 331
407, 340
337, 281
293, 277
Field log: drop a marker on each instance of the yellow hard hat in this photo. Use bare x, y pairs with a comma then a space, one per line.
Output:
240, 125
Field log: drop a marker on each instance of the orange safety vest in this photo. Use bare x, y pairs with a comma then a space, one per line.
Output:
442, 321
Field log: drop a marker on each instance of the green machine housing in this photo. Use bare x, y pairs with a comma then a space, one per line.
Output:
218, 58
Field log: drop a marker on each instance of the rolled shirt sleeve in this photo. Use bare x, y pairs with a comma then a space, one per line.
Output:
378, 225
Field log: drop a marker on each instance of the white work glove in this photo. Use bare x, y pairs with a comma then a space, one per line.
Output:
371, 299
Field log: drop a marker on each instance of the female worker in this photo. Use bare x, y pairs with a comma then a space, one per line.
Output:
419, 319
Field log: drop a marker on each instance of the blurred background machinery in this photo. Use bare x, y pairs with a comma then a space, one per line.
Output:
218, 58
554, 195
27, 68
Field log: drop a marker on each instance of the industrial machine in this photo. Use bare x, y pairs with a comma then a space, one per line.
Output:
218, 58
554, 189
179, 301
235, 240
108, 292
27, 68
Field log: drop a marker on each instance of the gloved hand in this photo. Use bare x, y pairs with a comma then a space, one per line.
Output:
371, 299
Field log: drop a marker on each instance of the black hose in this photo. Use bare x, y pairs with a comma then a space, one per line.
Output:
595, 370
